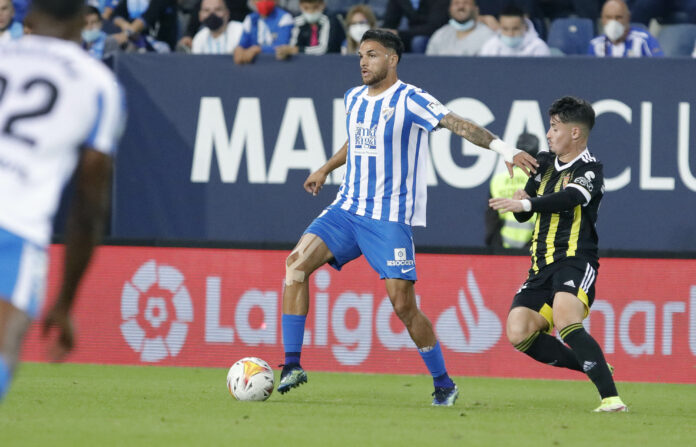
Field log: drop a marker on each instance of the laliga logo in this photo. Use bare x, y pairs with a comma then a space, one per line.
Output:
155, 289
484, 332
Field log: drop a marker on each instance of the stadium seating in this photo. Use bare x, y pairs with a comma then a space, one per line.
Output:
677, 40
571, 35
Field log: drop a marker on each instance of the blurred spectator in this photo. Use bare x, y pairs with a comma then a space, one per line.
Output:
424, 17
21, 7
552, 9
667, 11
359, 19
140, 19
105, 7
313, 32
219, 34
342, 7
238, 10
502, 229
265, 29
10, 29
620, 39
95, 41
463, 35
516, 36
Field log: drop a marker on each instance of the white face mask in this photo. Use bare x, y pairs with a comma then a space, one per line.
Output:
357, 30
614, 30
312, 17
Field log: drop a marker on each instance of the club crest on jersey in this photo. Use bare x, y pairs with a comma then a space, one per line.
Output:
387, 113
566, 180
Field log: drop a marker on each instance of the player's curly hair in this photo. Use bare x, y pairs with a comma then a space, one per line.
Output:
570, 109
385, 38
59, 9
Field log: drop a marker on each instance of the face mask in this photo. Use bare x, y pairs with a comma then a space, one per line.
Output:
213, 22
614, 30
511, 41
312, 17
90, 35
466, 26
265, 7
356, 31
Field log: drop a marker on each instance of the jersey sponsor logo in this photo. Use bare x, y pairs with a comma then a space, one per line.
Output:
570, 283
588, 365
366, 140
537, 179
483, 327
584, 182
437, 108
407, 270
156, 308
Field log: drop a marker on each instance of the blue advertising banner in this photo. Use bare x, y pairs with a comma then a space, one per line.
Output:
218, 152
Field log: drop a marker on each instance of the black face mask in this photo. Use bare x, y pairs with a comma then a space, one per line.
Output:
213, 22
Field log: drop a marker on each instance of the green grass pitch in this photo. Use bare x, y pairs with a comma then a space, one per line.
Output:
96, 405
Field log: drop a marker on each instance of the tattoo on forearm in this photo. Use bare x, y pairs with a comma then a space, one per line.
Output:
466, 129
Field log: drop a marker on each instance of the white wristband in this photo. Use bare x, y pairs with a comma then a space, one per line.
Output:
526, 205
501, 147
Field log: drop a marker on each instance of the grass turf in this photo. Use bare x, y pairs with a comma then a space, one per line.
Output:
76, 405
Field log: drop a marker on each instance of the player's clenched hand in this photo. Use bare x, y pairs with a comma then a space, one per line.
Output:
315, 182
58, 317
524, 161
505, 205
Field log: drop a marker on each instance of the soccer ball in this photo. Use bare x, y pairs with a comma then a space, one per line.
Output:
250, 379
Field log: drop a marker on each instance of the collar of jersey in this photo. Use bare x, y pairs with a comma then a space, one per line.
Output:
570, 163
388, 91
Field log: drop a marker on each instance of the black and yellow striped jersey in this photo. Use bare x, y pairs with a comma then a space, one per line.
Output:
570, 232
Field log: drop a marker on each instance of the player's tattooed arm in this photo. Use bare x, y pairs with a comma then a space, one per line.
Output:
467, 129
316, 179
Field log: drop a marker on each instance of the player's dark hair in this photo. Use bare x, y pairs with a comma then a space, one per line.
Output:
511, 10
385, 38
570, 109
59, 9
89, 10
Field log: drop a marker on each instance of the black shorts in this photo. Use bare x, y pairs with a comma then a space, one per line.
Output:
572, 275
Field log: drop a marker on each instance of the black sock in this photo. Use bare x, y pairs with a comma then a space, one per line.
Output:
590, 356
545, 348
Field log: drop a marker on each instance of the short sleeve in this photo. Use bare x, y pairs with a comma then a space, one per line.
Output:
109, 118
589, 180
427, 111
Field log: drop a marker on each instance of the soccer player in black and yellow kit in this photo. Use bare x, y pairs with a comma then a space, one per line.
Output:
565, 193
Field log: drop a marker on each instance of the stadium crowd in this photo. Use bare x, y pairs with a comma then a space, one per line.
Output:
246, 28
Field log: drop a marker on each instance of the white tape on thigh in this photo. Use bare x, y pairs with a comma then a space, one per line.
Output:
303, 250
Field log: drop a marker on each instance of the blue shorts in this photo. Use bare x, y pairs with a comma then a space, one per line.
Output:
22, 273
387, 246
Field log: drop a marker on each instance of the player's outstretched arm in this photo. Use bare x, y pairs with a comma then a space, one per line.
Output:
480, 136
84, 229
316, 179
556, 202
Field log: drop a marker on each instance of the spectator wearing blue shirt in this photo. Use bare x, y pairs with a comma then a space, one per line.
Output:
21, 7
10, 29
264, 30
95, 41
619, 38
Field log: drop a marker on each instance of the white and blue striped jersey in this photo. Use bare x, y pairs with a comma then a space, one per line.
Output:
638, 43
54, 100
385, 176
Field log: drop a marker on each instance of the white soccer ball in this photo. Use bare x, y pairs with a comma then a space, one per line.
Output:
250, 379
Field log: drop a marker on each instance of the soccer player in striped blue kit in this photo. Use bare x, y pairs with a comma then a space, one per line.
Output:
383, 194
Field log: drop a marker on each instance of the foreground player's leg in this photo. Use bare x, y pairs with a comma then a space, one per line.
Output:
568, 312
403, 298
526, 328
309, 254
13, 326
